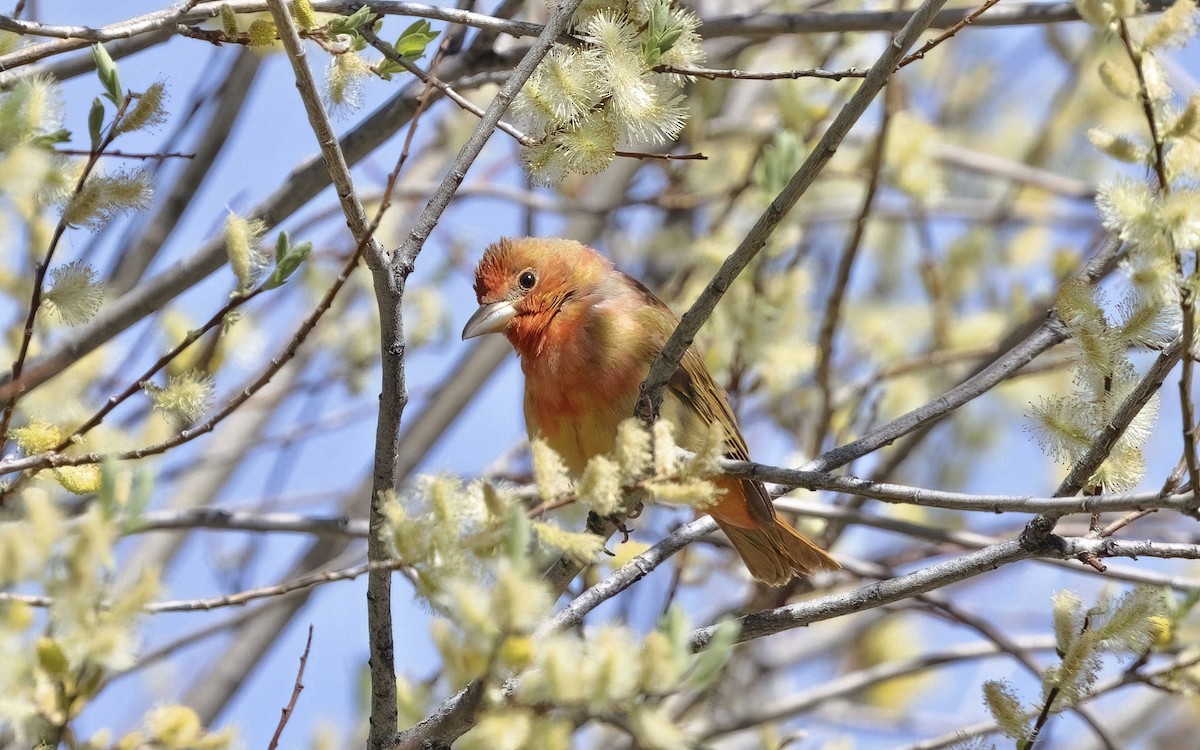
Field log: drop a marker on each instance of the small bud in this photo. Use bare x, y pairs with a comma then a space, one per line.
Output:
50, 657
106, 69
1119, 80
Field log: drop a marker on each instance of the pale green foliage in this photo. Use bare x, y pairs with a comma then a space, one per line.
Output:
49, 674
1129, 626
445, 530
909, 156
186, 396
104, 196
243, 245
584, 102
74, 293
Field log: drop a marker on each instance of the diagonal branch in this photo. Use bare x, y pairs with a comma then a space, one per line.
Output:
668, 360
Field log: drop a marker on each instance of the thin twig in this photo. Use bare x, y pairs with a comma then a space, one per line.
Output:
232, 600
291, 706
127, 155
967, 20
772, 75
379, 601
831, 317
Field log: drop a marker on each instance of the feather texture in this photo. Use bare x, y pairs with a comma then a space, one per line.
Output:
586, 334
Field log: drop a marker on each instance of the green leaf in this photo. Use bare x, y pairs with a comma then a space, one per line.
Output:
106, 69
352, 23
412, 43
282, 245
108, 493
287, 265
711, 661
517, 536
96, 122
46, 140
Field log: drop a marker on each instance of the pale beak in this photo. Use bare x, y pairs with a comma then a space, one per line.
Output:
490, 318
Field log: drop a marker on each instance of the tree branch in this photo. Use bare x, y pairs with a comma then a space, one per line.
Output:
668, 360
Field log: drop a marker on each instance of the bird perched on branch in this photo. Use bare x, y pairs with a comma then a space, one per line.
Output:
586, 334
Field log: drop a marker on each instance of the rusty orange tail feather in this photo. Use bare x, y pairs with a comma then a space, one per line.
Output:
777, 553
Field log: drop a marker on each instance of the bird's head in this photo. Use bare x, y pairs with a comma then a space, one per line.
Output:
522, 284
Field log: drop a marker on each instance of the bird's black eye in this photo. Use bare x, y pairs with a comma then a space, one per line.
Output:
526, 280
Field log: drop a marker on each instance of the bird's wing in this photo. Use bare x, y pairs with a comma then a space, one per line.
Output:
696, 389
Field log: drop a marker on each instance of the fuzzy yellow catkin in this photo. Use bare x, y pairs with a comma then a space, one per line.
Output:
1005, 708
229, 21
38, 436
549, 471
1119, 79
1187, 124
303, 14
241, 245
600, 485
262, 33
147, 111
1118, 147
78, 480
75, 294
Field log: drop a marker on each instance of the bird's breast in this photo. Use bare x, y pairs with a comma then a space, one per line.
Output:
576, 406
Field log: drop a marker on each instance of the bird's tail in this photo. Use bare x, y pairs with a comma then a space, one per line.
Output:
775, 554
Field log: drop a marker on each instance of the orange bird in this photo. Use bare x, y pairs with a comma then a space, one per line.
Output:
586, 335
